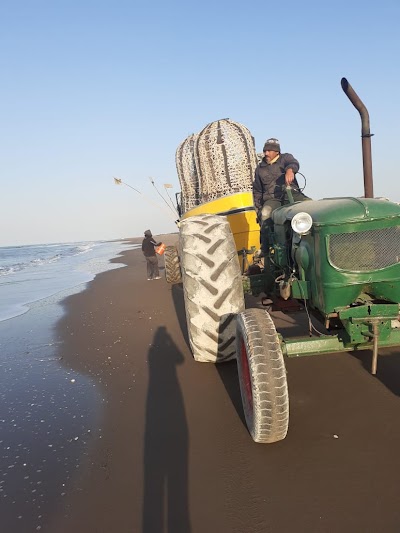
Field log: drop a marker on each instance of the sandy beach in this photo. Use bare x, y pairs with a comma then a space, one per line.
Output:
167, 449
115, 332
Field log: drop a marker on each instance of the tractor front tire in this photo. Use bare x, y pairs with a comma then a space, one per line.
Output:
172, 266
262, 376
212, 286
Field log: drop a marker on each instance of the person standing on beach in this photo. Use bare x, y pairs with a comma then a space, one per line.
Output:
148, 249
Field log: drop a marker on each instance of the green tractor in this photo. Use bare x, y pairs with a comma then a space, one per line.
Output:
337, 258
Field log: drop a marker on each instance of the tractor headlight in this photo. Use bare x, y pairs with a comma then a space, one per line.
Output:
301, 223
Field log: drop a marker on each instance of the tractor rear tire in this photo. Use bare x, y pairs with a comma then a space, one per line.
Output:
212, 286
262, 376
172, 266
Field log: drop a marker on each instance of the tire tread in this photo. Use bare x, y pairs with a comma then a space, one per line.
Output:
268, 419
212, 286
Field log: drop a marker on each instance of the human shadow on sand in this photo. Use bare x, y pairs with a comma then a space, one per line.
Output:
166, 441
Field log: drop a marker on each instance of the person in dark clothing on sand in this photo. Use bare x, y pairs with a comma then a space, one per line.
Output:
148, 249
272, 175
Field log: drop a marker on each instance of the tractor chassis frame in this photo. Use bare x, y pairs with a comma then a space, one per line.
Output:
360, 327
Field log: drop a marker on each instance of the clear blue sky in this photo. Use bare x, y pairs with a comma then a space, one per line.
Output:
96, 89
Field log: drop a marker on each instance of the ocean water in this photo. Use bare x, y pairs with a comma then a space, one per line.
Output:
31, 273
50, 414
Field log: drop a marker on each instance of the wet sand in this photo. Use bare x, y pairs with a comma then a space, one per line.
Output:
172, 452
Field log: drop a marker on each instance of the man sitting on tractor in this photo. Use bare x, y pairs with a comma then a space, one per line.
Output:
272, 175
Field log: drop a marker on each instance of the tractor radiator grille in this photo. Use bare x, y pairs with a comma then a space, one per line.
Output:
364, 251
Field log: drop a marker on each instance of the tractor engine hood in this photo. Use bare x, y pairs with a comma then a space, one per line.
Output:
337, 211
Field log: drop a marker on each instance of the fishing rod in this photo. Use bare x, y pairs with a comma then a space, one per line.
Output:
158, 192
118, 181
166, 187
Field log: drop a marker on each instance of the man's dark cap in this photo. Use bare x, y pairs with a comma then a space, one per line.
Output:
147, 233
272, 144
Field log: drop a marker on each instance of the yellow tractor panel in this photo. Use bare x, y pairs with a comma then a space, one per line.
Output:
239, 210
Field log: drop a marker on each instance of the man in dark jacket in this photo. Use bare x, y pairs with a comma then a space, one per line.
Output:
148, 245
275, 171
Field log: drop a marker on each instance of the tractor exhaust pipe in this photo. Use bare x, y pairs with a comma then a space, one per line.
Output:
365, 136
